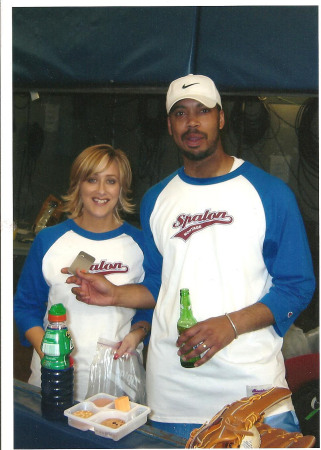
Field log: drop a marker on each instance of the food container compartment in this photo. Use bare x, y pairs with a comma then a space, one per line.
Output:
102, 401
133, 420
82, 423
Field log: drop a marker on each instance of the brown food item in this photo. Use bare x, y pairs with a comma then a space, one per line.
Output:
103, 401
113, 423
83, 413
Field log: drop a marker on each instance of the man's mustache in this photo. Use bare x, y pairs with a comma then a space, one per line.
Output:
194, 132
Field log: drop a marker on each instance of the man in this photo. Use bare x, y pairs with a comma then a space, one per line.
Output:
234, 236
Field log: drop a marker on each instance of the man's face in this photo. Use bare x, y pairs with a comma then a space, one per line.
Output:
195, 128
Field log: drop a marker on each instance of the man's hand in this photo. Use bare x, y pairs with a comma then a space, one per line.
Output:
209, 336
94, 289
213, 334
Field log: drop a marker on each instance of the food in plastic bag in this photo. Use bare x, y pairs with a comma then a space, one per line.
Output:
123, 376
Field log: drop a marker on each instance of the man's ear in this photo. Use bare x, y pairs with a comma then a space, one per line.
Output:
222, 119
169, 126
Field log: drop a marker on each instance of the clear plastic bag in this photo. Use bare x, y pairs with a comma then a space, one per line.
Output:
123, 376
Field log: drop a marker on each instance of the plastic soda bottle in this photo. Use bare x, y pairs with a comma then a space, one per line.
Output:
57, 372
185, 321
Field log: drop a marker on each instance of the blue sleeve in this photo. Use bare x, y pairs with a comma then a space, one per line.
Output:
143, 314
30, 301
286, 254
153, 260
138, 236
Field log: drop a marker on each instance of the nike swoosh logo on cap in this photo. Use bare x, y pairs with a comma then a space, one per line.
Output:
188, 85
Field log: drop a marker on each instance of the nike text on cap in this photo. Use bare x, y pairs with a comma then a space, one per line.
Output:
196, 87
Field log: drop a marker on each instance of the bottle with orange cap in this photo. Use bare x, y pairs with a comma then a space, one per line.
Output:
57, 372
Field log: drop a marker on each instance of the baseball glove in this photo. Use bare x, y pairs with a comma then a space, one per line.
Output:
240, 424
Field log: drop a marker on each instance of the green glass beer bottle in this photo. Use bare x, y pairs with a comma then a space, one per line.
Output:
185, 321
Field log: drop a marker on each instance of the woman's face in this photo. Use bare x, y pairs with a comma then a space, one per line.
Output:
99, 194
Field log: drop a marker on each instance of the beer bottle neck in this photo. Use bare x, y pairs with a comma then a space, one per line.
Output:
185, 299
186, 308
186, 318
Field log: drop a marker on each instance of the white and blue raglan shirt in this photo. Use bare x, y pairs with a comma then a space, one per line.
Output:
233, 240
118, 255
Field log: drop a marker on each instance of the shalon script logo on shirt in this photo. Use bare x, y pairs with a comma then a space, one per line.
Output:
107, 268
192, 223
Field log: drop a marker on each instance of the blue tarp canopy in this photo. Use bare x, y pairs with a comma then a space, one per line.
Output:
255, 48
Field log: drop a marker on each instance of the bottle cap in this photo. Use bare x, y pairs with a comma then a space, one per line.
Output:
57, 313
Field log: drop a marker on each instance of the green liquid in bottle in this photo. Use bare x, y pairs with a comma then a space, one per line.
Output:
186, 320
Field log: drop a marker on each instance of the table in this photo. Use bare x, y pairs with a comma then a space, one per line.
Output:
32, 431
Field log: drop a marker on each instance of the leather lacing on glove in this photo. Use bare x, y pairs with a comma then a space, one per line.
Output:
229, 427
278, 438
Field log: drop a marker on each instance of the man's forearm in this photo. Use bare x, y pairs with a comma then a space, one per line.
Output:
134, 296
252, 318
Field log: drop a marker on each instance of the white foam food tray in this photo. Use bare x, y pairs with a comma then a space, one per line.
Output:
133, 419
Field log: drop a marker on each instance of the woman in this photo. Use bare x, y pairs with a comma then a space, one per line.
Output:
98, 193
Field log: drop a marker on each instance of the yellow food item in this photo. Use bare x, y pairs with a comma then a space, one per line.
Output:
122, 403
83, 414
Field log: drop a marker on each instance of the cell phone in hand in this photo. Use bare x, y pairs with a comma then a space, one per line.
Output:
83, 261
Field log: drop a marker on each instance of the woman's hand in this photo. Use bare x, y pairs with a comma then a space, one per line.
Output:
130, 342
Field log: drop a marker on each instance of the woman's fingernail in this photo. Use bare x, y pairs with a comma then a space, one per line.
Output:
116, 356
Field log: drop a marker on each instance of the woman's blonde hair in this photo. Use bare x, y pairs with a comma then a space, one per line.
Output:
89, 161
